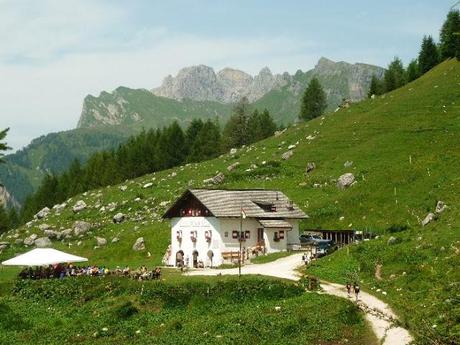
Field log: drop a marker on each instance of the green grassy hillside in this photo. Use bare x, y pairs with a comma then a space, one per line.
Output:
405, 149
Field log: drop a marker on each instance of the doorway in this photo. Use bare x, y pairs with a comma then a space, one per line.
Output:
260, 237
195, 258
210, 257
180, 258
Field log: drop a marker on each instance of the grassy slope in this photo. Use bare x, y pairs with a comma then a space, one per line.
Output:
406, 152
218, 311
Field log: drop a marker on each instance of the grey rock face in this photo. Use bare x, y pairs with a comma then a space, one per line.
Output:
139, 244
43, 242
119, 218
80, 227
345, 181
229, 85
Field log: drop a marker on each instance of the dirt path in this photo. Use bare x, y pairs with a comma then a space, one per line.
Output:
377, 312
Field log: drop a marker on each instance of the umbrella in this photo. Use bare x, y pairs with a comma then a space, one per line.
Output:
42, 257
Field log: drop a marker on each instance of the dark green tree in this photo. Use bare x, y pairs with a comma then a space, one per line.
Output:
376, 87
394, 76
13, 218
412, 71
207, 144
428, 56
236, 131
192, 132
450, 36
4, 220
313, 102
260, 125
3, 146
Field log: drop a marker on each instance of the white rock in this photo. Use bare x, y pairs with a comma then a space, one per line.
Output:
28, 241
440, 206
43, 242
123, 188
428, 219
42, 213
80, 227
233, 151
119, 218
139, 244
147, 185
44, 227
101, 241
345, 181
286, 155
80, 205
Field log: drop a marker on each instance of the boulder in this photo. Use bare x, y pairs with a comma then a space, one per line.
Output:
59, 207
440, 206
119, 218
147, 185
348, 164
65, 233
428, 219
52, 234
393, 240
139, 244
80, 227
115, 240
310, 167
44, 227
233, 151
18, 241
286, 155
42, 213
219, 178
233, 166
28, 241
101, 241
43, 242
3, 246
123, 188
345, 181
80, 205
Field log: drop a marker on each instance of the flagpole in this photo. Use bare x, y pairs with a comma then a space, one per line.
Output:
241, 240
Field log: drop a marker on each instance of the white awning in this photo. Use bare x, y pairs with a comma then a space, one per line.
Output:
42, 257
275, 223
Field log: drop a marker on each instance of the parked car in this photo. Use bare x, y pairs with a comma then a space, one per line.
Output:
314, 240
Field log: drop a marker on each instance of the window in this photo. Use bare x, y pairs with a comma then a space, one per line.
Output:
281, 235
247, 234
226, 234
235, 234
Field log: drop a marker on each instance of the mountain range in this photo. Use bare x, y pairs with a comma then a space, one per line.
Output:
195, 92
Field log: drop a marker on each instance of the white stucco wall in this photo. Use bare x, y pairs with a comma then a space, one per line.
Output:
219, 242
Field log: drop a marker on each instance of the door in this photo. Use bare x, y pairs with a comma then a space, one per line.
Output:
260, 237
195, 258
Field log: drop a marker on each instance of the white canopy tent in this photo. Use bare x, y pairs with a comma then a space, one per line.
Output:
42, 257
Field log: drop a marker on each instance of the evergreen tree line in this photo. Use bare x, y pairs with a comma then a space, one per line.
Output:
8, 218
430, 55
150, 151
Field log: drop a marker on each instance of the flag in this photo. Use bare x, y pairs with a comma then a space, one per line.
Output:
243, 214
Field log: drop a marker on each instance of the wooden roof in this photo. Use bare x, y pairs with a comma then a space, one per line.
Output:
275, 224
228, 203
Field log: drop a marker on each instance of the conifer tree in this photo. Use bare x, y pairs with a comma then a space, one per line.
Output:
4, 220
236, 131
412, 71
376, 87
3, 146
313, 101
428, 56
450, 36
207, 143
394, 76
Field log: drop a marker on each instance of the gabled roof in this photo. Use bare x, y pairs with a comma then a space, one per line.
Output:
275, 224
228, 203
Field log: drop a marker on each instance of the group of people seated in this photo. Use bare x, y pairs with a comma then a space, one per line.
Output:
70, 270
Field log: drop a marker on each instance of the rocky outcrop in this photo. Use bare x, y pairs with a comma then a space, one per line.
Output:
346, 180
201, 83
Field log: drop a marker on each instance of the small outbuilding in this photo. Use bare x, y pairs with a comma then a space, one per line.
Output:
207, 225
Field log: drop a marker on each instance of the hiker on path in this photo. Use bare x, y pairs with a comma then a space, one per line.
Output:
349, 289
356, 288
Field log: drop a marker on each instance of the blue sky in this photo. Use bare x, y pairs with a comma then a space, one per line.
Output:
53, 53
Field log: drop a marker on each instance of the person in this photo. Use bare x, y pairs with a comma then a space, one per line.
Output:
348, 289
356, 288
